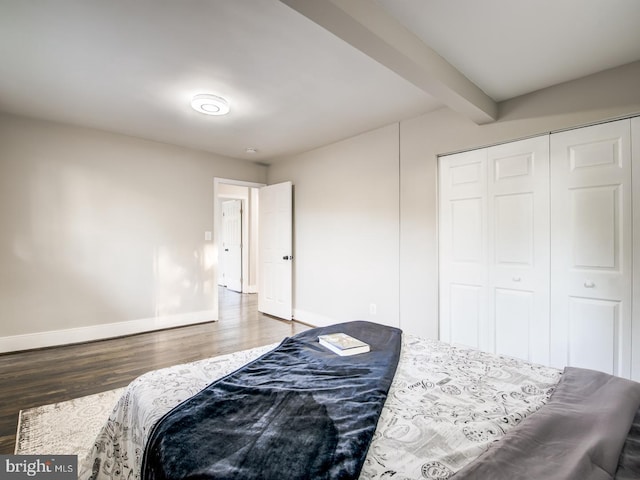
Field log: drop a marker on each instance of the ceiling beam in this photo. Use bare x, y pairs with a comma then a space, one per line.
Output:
369, 28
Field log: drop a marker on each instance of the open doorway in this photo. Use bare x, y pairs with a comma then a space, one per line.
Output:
236, 234
270, 209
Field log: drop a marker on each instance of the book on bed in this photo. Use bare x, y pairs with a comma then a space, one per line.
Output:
343, 344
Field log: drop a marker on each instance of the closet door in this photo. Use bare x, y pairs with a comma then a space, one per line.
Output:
518, 206
591, 234
635, 328
463, 247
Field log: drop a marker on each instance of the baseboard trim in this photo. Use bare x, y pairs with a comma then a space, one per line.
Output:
313, 319
68, 336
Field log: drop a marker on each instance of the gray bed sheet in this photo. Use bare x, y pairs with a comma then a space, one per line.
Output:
629, 461
578, 435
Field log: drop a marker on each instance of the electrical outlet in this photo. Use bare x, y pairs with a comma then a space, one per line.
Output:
373, 309
207, 236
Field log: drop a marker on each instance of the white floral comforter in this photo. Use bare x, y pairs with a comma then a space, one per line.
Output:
446, 405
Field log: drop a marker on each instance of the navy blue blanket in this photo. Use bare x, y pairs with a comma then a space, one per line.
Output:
298, 412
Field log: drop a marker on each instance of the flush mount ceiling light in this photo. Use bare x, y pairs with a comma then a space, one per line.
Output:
210, 104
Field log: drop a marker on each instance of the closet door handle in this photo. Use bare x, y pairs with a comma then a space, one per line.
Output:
589, 285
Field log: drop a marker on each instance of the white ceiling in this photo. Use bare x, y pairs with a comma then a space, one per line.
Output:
513, 47
132, 67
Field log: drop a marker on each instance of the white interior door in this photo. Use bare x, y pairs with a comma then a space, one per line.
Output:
222, 255
463, 249
518, 221
275, 250
591, 266
232, 244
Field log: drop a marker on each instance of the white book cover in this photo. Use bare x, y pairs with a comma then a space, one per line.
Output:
343, 344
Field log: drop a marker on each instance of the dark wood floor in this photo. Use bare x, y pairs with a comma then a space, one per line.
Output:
39, 377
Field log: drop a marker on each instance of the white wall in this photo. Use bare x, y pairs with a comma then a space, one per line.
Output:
100, 229
346, 216
374, 162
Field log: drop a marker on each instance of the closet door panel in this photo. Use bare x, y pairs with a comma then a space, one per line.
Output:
466, 229
514, 237
466, 303
591, 228
514, 316
463, 262
593, 329
518, 224
595, 215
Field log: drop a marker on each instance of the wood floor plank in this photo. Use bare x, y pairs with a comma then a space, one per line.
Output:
40, 377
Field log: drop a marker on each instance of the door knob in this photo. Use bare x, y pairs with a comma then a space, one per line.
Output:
288, 257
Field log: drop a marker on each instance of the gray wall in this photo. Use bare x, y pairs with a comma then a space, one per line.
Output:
98, 228
346, 244
406, 154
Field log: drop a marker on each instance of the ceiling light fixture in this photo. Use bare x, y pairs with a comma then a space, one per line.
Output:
251, 150
210, 104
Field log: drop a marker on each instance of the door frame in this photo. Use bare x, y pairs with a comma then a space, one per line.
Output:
217, 181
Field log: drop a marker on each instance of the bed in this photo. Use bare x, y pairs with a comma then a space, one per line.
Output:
450, 411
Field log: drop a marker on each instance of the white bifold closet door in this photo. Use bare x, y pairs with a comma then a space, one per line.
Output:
494, 249
463, 249
518, 209
591, 245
